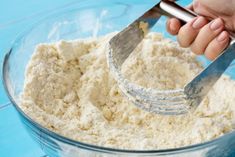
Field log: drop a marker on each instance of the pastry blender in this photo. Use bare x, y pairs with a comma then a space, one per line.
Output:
167, 102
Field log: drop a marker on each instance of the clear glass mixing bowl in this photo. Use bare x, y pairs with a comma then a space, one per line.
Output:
89, 18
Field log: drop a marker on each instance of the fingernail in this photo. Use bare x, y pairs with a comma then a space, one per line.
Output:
172, 26
198, 23
216, 24
222, 36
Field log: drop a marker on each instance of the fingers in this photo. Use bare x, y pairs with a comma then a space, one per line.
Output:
173, 26
189, 31
206, 34
201, 36
217, 45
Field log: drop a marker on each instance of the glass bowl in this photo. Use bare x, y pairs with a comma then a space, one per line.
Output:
89, 19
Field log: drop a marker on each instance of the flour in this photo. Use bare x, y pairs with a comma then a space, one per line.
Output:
161, 64
69, 90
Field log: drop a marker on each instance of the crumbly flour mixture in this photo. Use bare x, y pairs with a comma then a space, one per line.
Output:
69, 90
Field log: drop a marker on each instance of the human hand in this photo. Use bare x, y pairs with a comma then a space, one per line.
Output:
201, 35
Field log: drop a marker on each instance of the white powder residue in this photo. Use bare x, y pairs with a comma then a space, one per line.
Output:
69, 90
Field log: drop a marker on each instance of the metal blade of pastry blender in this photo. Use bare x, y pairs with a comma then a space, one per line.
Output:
198, 88
125, 42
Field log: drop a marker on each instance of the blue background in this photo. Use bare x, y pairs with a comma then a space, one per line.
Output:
15, 15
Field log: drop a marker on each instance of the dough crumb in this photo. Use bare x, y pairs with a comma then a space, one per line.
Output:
69, 90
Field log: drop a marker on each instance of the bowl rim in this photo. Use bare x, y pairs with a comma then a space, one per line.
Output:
79, 144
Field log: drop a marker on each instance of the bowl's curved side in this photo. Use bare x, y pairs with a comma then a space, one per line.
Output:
113, 18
